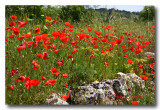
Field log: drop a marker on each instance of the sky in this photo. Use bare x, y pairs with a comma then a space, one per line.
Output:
132, 8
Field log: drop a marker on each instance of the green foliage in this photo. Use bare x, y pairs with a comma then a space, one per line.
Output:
72, 13
148, 13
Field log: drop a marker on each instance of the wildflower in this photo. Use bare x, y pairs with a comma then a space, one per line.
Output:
73, 42
12, 23
54, 71
64, 75
106, 63
109, 27
35, 65
69, 56
89, 29
28, 35
51, 82
13, 17
66, 85
59, 63
130, 61
10, 87
143, 77
151, 65
21, 78
65, 96
16, 31
48, 18
135, 103
11, 36
37, 31
43, 78
56, 51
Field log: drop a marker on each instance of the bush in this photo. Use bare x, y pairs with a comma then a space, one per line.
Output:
148, 13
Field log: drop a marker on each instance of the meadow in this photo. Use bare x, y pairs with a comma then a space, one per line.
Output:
52, 55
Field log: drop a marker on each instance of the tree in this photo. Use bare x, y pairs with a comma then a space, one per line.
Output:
147, 14
71, 12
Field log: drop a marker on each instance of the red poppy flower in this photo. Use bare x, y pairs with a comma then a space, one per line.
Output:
67, 23
65, 96
147, 43
113, 43
21, 38
86, 24
43, 78
51, 82
37, 31
131, 41
39, 55
152, 72
135, 103
28, 83
8, 29
153, 87
45, 55
130, 61
13, 71
35, 44
35, 65
121, 37
132, 49
74, 50
48, 18
11, 36
151, 65
109, 27
102, 26
59, 63
10, 87
137, 50
125, 56
138, 43
104, 40
102, 51
71, 26
73, 42
150, 57
89, 29
118, 41
16, 31
92, 55
28, 35
56, 51
21, 78
140, 66
106, 63
143, 77
97, 32
12, 23
21, 47
69, 56
66, 85
73, 59
35, 82
64, 75
22, 23
13, 17
54, 71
